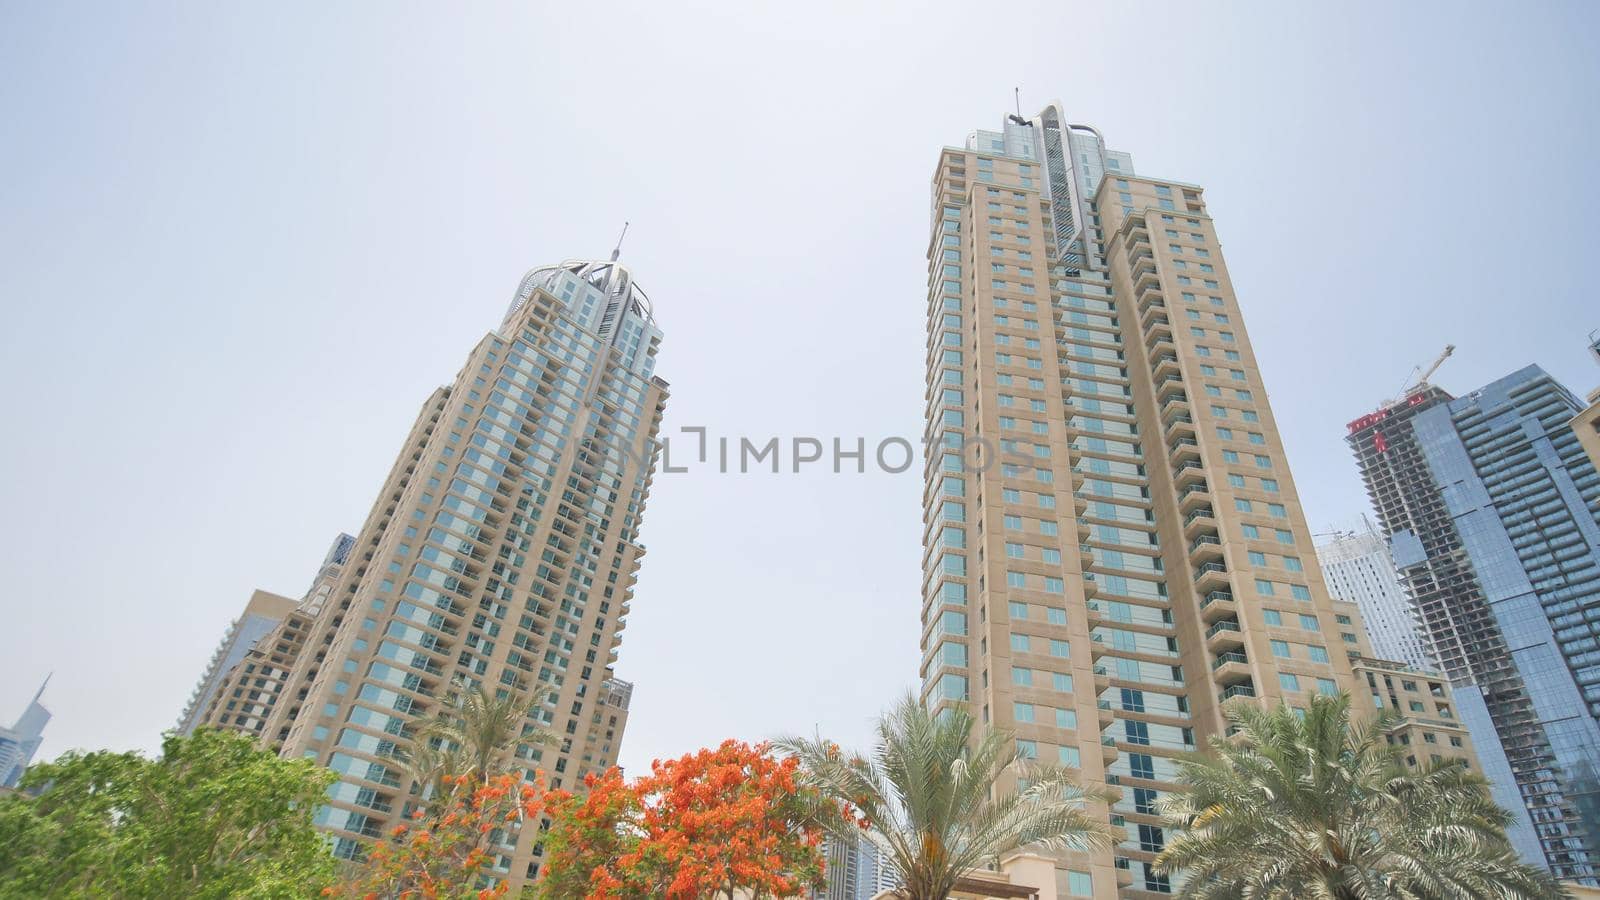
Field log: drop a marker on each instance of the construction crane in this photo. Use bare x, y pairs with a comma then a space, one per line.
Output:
1421, 375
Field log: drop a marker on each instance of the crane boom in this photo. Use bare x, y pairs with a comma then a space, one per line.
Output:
1428, 372
1422, 375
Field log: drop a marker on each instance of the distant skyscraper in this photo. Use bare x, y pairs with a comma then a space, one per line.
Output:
855, 870
1113, 545
501, 551
21, 741
1492, 511
1359, 569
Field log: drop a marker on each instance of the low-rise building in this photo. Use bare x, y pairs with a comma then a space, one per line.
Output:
1430, 729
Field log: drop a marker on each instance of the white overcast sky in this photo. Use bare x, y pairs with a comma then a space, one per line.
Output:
240, 243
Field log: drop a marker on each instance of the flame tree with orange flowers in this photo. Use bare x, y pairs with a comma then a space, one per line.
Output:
709, 824
447, 854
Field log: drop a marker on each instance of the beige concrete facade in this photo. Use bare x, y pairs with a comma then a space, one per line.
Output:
1114, 547
501, 551
1354, 638
261, 615
1587, 426
248, 699
1429, 730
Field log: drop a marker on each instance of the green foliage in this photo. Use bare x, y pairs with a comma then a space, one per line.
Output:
470, 738
1316, 806
927, 801
215, 817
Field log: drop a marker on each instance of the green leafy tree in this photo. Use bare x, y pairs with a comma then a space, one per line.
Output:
1316, 806
215, 817
926, 797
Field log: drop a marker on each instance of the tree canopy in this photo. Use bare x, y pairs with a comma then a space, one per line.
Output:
1310, 804
216, 816
927, 796
709, 824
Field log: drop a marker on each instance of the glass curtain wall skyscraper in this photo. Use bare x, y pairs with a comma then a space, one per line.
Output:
21, 741
501, 552
1492, 510
1114, 547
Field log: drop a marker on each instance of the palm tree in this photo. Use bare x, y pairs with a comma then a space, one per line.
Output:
928, 794
1312, 805
467, 742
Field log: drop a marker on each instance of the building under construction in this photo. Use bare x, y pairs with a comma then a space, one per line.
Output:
1492, 513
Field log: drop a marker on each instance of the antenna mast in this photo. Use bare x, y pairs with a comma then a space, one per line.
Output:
618, 251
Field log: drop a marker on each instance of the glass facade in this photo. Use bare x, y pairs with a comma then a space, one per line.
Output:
19, 742
1493, 511
501, 554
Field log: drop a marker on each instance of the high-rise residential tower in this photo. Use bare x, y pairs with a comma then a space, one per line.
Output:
501, 552
1114, 548
245, 694
1359, 569
21, 741
1492, 511
262, 614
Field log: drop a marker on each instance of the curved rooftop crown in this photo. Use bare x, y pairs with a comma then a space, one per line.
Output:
612, 278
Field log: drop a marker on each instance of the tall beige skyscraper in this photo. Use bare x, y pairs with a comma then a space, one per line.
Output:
501, 551
1114, 545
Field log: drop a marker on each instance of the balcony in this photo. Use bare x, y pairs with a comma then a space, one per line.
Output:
1237, 690
1224, 634
1200, 520
1180, 426
1193, 497
1211, 576
1102, 677
1145, 276
1231, 666
1106, 713
1097, 646
1189, 472
1177, 405
1108, 748
1184, 448
1206, 548
1165, 364
1166, 386
1218, 605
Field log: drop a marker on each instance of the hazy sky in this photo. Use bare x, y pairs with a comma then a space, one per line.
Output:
240, 243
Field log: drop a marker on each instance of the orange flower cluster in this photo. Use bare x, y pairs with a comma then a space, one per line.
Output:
446, 857
703, 825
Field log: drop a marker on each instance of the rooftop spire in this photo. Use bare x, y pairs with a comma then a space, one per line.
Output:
618, 250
